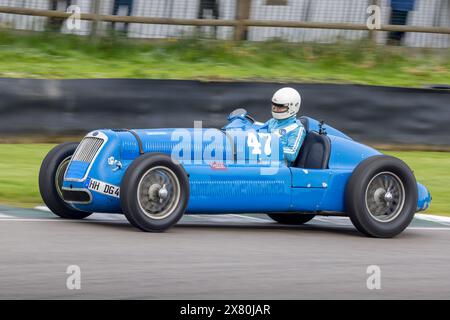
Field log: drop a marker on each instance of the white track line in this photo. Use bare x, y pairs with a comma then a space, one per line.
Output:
4, 215
118, 221
58, 220
38, 220
250, 218
445, 221
95, 216
433, 218
428, 228
421, 216
222, 218
106, 217
206, 216
333, 221
42, 208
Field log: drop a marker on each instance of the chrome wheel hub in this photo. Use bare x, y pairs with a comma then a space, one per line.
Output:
388, 196
158, 192
385, 197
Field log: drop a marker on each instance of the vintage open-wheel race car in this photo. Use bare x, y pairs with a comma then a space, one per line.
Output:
154, 176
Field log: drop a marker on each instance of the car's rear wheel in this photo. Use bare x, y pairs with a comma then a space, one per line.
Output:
381, 196
154, 192
51, 177
291, 218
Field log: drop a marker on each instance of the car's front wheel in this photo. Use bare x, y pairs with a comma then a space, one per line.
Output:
51, 176
381, 196
154, 192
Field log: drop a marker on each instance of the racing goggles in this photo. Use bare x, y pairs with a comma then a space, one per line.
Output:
279, 108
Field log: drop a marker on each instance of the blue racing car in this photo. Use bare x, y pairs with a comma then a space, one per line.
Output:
154, 176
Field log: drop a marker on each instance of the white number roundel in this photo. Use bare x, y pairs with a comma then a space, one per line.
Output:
253, 142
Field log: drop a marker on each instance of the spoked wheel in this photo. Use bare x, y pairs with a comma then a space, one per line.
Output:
59, 176
158, 192
154, 192
385, 196
51, 177
381, 196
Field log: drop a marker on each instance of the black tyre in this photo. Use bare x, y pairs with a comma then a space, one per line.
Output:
291, 218
154, 192
381, 196
51, 177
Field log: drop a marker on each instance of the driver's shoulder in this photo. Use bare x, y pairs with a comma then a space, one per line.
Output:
293, 126
268, 125
271, 122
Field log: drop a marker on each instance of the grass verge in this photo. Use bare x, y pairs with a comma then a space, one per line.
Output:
56, 56
19, 167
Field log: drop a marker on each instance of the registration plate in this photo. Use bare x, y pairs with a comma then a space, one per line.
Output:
104, 188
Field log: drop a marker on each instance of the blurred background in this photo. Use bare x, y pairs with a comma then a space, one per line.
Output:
68, 67
342, 19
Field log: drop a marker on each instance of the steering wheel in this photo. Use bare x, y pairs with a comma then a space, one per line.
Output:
250, 118
240, 112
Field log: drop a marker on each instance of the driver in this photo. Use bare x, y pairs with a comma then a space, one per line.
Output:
285, 106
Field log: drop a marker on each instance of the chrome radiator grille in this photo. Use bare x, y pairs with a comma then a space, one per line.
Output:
87, 149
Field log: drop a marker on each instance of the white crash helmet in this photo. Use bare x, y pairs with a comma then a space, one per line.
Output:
285, 103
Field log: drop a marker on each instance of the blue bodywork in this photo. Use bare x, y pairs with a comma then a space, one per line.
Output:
237, 183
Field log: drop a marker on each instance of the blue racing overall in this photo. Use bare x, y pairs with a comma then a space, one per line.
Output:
291, 133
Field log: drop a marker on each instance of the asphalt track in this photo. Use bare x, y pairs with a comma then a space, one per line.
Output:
217, 257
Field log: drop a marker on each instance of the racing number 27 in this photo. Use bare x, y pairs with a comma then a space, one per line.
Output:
253, 142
